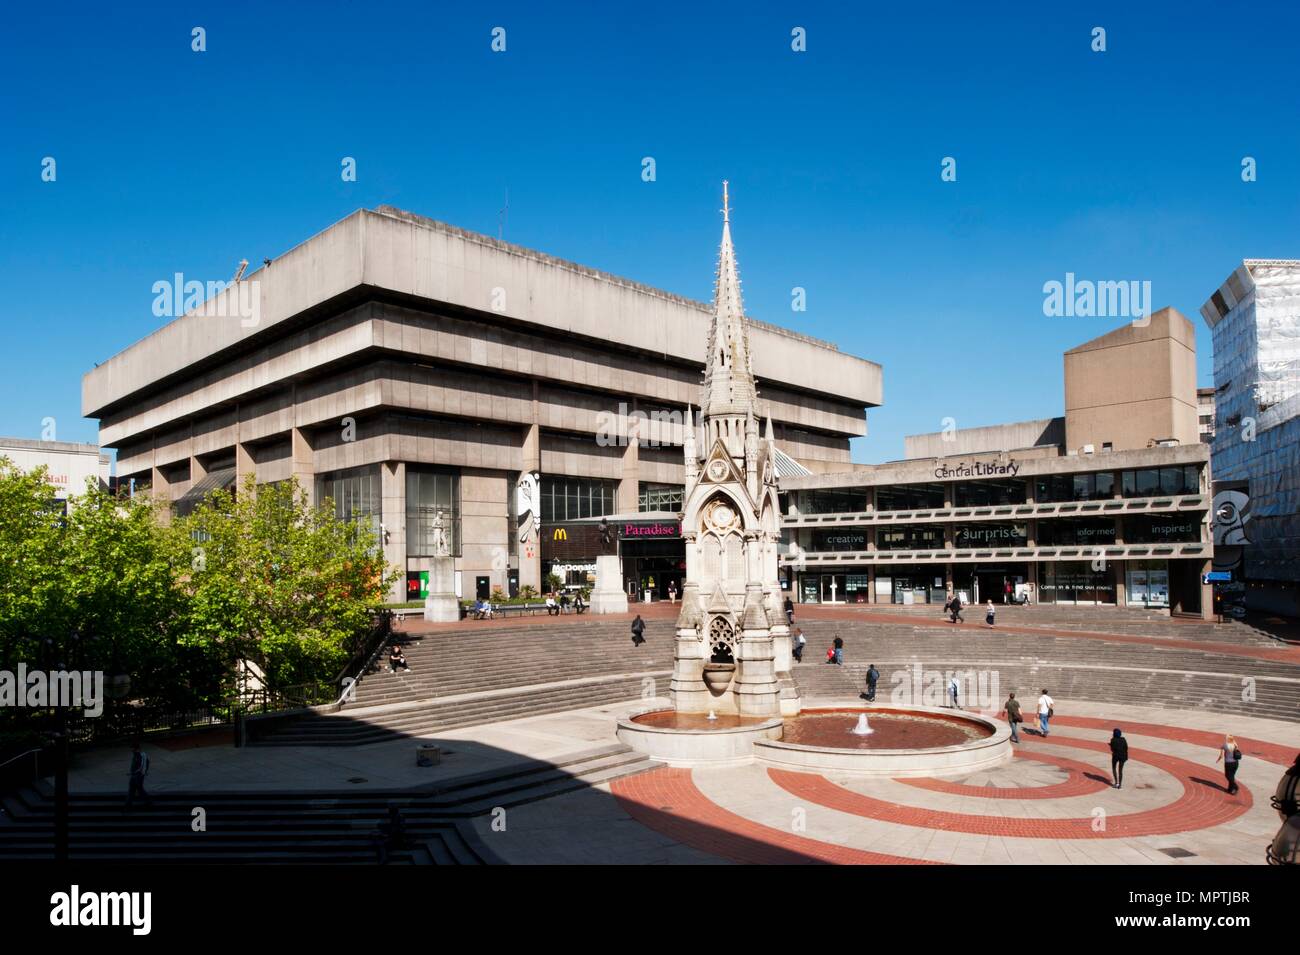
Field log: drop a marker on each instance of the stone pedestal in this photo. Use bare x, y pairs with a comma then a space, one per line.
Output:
608, 597
442, 606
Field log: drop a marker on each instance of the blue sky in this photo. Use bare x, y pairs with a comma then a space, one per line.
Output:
1122, 165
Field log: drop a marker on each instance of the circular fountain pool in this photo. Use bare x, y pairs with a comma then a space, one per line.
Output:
913, 741
916, 741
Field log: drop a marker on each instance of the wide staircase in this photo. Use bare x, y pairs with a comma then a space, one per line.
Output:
485, 675
1076, 668
298, 827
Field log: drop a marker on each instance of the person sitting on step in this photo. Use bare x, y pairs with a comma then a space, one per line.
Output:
396, 658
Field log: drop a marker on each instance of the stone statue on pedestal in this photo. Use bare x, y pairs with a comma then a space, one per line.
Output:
441, 605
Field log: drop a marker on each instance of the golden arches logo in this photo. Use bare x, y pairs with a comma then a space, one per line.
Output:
560, 534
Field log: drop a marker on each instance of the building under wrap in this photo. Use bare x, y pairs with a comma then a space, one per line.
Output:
1255, 321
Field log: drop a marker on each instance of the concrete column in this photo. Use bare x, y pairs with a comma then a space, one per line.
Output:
1121, 590
198, 471
1029, 491
530, 548
1031, 530
629, 487
392, 491
244, 465
871, 584
304, 464
160, 489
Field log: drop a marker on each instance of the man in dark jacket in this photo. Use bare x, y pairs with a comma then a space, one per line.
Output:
955, 608
789, 612
638, 628
139, 770
1118, 757
1012, 709
872, 676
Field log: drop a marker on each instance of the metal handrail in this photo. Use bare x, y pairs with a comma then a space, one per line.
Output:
20, 756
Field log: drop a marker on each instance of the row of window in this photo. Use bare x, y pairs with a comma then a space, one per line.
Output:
1048, 489
1138, 529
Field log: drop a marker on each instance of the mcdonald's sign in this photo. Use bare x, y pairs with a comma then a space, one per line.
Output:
560, 534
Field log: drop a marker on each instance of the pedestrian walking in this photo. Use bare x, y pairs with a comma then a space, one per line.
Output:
955, 609
638, 628
139, 770
989, 612
839, 651
800, 641
1012, 709
873, 675
789, 612
1045, 712
953, 686
1230, 754
1006, 590
672, 593
1118, 757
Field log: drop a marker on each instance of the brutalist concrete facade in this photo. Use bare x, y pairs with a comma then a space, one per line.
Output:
390, 342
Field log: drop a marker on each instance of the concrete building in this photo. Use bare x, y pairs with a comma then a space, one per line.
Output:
1107, 505
68, 466
401, 367
1254, 318
1205, 414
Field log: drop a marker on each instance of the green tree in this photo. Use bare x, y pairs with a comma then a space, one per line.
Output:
31, 563
271, 580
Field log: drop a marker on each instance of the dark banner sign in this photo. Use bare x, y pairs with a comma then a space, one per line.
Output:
578, 541
640, 530
992, 535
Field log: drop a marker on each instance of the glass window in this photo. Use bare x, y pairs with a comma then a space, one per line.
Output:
660, 497
991, 535
429, 492
1161, 529
570, 499
909, 538
905, 497
988, 493
355, 493
1067, 532
833, 501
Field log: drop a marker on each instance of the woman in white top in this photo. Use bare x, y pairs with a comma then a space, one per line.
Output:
1230, 754
1045, 712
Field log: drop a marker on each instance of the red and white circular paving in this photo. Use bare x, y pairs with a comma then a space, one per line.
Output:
1056, 792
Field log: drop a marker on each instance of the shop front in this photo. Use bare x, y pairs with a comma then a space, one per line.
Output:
851, 586
916, 584
652, 553
1076, 582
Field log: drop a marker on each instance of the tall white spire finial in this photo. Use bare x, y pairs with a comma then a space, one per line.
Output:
726, 206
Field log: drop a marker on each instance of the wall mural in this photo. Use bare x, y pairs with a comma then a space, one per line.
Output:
528, 505
1229, 521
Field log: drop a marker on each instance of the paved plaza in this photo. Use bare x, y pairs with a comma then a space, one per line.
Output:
558, 786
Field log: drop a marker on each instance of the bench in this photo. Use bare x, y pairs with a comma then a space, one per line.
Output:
518, 610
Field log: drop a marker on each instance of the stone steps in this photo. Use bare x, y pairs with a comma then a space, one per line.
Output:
434, 716
1220, 693
299, 827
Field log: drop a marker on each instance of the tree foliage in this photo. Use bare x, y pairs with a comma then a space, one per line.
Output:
256, 576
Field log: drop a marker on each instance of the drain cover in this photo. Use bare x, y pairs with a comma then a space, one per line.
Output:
1176, 853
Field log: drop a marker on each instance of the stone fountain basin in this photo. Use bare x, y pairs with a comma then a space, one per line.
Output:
731, 741
970, 756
